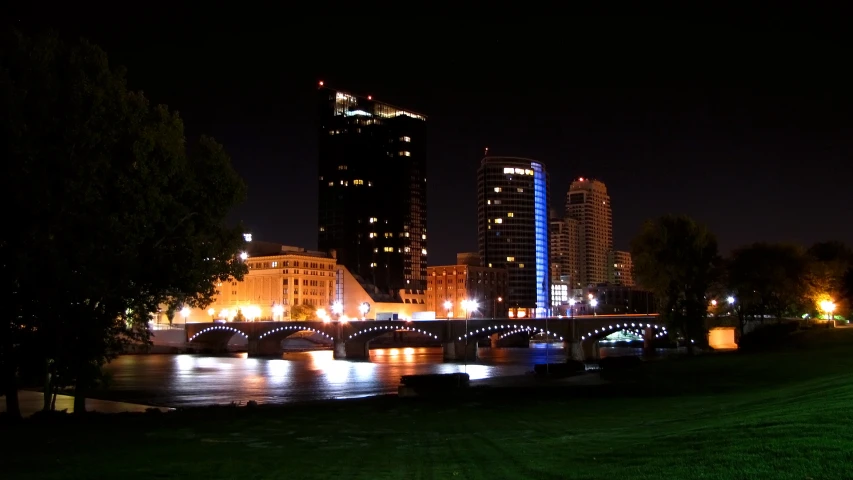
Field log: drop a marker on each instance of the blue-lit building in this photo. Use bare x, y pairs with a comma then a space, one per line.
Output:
512, 212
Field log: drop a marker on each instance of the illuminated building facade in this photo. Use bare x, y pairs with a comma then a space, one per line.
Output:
372, 195
279, 278
512, 211
457, 283
565, 250
588, 203
620, 268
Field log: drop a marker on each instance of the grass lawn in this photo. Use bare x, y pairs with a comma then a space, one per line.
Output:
773, 415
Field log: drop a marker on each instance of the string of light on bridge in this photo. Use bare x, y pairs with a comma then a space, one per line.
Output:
502, 327
624, 327
218, 327
394, 328
298, 328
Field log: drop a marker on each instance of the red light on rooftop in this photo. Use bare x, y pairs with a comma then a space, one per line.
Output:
321, 83
580, 179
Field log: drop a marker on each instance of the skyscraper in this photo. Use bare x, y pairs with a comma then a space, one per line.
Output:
589, 204
512, 213
372, 196
565, 250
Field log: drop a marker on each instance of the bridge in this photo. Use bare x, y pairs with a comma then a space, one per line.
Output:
459, 338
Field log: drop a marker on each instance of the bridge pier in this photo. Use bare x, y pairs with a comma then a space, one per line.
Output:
264, 347
352, 350
493, 340
457, 350
648, 342
574, 350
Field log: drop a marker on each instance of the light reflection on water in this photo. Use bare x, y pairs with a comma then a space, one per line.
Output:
187, 380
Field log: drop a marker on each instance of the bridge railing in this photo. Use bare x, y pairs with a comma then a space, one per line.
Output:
166, 326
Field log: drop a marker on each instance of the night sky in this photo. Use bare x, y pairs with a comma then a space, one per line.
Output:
751, 133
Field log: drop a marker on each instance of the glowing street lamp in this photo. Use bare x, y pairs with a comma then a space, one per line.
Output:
828, 306
713, 303
469, 306
594, 304
731, 300
244, 255
211, 311
278, 312
447, 306
363, 309
572, 303
337, 308
185, 312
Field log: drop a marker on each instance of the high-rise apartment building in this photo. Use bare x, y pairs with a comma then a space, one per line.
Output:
565, 250
372, 196
512, 213
588, 203
620, 268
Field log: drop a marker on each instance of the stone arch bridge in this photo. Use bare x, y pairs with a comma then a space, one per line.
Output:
459, 338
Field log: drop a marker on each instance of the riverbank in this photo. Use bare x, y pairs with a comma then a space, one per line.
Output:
781, 414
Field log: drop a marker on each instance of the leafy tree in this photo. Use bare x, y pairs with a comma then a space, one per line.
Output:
117, 215
766, 279
303, 312
239, 317
676, 259
847, 285
828, 262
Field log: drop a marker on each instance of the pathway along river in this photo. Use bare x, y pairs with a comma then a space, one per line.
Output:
197, 380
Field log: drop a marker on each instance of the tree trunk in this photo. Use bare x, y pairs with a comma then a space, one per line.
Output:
48, 387
10, 389
80, 394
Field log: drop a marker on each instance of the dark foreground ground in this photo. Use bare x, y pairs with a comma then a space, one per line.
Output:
774, 415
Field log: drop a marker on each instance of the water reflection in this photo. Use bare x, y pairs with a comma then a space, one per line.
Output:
184, 380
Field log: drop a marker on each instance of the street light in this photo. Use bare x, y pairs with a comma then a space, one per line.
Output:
185, 312
572, 303
244, 255
211, 311
469, 306
594, 303
713, 303
828, 306
363, 309
495, 306
447, 306
337, 308
278, 311
731, 300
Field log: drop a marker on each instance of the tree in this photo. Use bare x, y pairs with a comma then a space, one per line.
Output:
827, 264
303, 312
847, 285
676, 259
766, 279
117, 214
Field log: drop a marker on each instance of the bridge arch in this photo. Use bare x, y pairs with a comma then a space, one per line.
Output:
219, 329
479, 333
289, 330
634, 327
370, 333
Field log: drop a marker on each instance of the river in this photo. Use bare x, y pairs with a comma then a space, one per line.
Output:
195, 380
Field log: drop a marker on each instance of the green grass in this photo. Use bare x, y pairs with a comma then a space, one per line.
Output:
773, 415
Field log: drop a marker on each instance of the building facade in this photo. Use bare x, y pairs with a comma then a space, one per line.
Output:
372, 189
565, 250
588, 203
512, 225
279, 278
621, 268
457, 283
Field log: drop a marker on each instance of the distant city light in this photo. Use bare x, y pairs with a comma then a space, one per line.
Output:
321, 83
244, 255
247, 237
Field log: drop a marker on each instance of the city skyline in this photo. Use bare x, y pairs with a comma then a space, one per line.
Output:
728, 153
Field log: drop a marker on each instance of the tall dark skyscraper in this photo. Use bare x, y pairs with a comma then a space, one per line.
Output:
372, 195
512, 207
